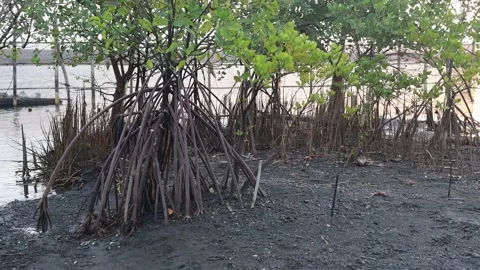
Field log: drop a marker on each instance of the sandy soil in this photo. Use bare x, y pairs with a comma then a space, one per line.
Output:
415, 226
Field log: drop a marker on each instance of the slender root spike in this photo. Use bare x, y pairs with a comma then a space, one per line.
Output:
334, 195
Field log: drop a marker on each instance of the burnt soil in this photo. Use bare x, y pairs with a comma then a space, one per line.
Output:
415, 226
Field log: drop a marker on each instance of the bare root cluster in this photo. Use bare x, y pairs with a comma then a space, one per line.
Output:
160, 161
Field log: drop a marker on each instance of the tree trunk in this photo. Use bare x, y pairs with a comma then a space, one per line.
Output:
121, 77
448, 123
241, 124
336, 106
430, 121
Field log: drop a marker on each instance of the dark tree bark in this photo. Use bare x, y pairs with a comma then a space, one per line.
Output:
121, 76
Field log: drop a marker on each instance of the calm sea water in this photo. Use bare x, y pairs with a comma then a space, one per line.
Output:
32, 81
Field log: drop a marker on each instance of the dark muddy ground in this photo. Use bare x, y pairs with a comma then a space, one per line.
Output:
414, 227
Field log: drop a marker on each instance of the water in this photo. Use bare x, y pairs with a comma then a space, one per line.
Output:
11, 154
32, 80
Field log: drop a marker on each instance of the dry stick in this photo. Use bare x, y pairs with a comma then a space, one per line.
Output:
24, 151
257, 184
267, 162
334, 196
43, 202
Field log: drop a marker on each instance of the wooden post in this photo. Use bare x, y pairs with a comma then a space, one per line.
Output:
83, 93
450, 179
399, 57
429, 108
83, 118
35, 164
334, 196
474, 50
399, 65
131, 85
55, 55
25, 172
353, 100
14, 64
57, 92
425, 83
24, 151
59, 62
65, 78
92, 79
209, 72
